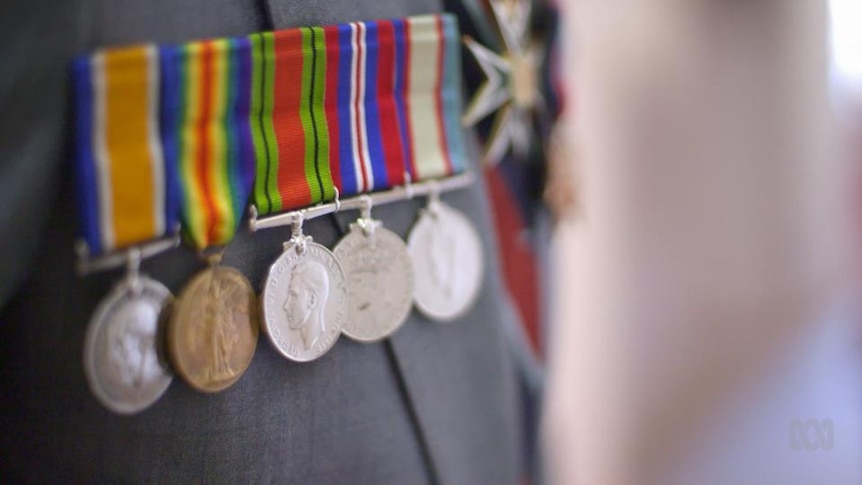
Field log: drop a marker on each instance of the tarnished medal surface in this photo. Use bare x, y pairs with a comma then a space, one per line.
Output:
214, 328
122, 358
304, 301
447, 260
379, 280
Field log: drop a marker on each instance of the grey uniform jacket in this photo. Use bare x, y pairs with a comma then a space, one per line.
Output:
434, 404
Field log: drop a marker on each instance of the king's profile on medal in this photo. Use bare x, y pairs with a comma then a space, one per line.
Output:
306, 300
121, 353
131, 347
447, 254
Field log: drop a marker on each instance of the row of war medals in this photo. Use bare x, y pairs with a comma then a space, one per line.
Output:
364, 288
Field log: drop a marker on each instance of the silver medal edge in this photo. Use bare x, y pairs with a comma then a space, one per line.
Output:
471, 301
406, 316
264, 321
97, 321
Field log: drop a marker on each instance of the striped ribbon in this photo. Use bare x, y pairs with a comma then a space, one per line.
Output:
206, 132
354, 107
126, 187
293, 114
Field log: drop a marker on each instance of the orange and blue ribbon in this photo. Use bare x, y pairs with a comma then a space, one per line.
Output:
126, 187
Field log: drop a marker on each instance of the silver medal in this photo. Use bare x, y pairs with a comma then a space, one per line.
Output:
122, 358
304, 300
380, 280
447, 259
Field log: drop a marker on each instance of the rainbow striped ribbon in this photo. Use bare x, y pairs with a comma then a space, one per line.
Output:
126, 187
206, 133
354, 107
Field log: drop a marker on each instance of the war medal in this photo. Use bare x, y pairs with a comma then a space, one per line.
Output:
125, 197
360, 107
304, 299
380, 278
214, 327
207, 86
125, 368
447, 257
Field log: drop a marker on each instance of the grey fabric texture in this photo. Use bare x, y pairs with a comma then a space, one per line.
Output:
435, 404
285, 14
36, 40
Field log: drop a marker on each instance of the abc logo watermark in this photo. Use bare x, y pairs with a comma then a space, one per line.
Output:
812, 434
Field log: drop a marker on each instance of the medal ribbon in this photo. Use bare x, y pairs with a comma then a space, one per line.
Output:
356, 107
290, 131
126, 187
293, 114
206, 131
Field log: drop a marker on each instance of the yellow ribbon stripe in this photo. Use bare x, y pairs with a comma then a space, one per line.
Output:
130, 164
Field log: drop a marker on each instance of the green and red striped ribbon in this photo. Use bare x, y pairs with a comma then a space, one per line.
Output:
290, 133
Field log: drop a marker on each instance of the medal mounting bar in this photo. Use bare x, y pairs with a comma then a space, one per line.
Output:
402, 192
86, 264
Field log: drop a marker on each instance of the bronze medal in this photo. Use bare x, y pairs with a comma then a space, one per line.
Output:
213, 329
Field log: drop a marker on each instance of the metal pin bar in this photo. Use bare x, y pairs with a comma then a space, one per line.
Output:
399, 193
86, 265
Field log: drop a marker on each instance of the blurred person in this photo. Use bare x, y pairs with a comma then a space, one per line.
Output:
696, 335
